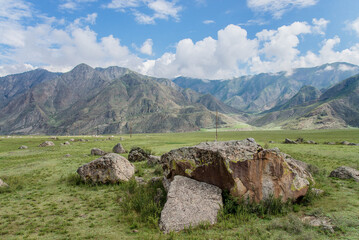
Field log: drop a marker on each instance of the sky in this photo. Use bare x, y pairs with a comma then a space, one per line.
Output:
210, 39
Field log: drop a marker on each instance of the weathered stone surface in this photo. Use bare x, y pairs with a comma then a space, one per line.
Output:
23, 147
137, 155
323, 222
288, 141
153, 160
344, 172
110, 168
3, 184
97, 152
118, 149
242, 167
140, 180
317, 192
72, 140
47, 144
65, 143
190, 203
345, 143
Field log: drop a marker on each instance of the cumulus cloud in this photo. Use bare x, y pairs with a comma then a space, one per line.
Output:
208, 58
354, 25
161, 9
319, 25
278, 7
147, 47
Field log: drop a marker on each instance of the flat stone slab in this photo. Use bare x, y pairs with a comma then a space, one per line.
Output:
344, 172
190, 203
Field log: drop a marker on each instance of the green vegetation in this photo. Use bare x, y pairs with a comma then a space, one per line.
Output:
47, 200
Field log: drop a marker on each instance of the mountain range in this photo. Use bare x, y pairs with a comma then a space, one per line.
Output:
112, 100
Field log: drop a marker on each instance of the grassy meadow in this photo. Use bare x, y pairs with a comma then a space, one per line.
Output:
46, 200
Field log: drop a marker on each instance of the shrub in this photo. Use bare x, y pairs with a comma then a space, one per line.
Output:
139, 203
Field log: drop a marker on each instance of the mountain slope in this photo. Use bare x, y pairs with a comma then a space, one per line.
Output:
265, 91
337, 107
111, 100
13, 85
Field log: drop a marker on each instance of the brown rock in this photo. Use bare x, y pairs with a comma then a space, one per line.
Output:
242, 167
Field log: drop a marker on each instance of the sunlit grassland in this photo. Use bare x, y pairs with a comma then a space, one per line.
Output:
42, 202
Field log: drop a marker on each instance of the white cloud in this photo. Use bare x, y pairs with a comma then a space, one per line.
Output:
208, 21
278, 7
147, 47
73, 4
319, 25
354, 25
162, 9
208, 58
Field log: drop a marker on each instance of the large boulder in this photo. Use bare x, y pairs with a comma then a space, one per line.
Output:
3, 184
97, 152
344, 172
47, 144
110, 168
118, 148
243, 168
190, 203
137, 154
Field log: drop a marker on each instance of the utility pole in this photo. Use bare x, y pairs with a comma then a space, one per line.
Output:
130, 130
216, 125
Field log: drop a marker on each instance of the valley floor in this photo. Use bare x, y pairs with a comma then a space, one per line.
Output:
44, 203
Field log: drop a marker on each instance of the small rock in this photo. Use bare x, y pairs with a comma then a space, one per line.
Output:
47, 144
323, 222
330, 143
299, 140
54, 138
153, 160
66, 143
344, 172
135, 230
352, 144
72, 140
97, 152
110, 168
68, 155
310, 142
137, 155
155, 179
317, 192
23, 147
345, 143
118, 148
271, 142
140, 180
190, 203
288, 141
3, 184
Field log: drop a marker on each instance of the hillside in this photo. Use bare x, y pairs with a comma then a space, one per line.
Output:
111, 100
337, 107
265, 91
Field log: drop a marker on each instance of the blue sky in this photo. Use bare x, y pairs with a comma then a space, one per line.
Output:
167, 38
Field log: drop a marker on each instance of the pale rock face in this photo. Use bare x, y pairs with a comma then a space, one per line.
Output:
242, 167
110, 168
190, 203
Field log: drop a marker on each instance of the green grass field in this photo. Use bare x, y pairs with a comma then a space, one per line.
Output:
44, 202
